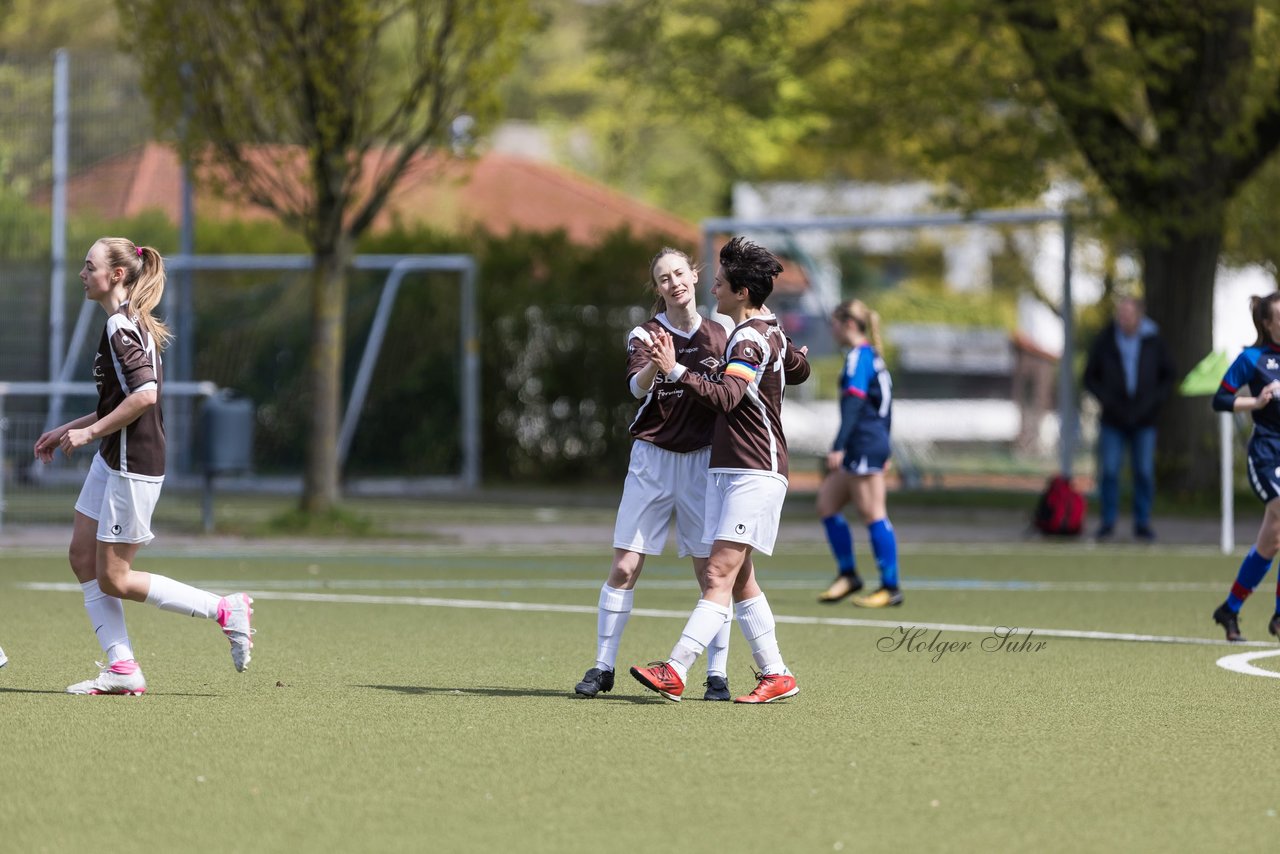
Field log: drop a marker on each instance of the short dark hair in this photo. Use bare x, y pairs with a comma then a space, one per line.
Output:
751, 266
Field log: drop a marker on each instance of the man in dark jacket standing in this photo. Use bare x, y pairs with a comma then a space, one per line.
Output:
1130, 373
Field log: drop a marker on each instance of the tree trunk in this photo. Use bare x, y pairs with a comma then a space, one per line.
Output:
1179, 275
328, 331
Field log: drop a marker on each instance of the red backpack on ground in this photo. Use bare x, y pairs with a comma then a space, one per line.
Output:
1061, 508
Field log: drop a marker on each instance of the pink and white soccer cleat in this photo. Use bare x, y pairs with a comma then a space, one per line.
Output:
122, 677
234, 612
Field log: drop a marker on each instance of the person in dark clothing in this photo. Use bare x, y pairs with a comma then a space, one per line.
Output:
1131, 374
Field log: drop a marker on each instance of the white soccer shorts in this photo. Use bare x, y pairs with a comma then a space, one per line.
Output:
658, 483
744, 508
121, 504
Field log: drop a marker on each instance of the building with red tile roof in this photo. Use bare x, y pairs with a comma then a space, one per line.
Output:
498, 192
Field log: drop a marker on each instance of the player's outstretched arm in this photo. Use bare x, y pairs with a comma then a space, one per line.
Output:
49, 440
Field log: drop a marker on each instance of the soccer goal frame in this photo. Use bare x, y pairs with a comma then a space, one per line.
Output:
397, 268
1067, 411
1066, 381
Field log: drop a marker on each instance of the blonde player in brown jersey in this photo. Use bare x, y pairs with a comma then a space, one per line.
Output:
668, 470
748, 472
113, 512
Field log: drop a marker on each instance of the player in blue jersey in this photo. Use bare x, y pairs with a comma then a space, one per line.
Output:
858, 458
1252, 384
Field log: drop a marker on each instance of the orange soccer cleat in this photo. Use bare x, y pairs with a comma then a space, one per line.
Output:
661, 677
775, 686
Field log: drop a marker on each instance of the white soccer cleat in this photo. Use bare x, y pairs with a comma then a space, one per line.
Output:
123, 677
4, 659
234, 612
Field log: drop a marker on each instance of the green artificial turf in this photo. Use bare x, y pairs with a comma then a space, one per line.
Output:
398, 724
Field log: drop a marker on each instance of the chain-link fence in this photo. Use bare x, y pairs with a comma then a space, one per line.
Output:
107, 121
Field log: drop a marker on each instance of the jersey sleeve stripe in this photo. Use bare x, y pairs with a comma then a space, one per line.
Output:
856, 392
1229, 387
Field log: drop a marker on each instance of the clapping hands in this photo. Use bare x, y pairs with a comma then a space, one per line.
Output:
662, 351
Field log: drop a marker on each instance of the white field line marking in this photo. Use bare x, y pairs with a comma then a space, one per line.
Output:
1240, 663
488, 605
1013, 586
409, 550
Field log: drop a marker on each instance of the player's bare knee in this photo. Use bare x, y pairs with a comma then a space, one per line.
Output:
623, 576
720, 576
746, 588
82, 560
112, 585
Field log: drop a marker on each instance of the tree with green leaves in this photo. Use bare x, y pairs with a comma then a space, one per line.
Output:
315, 111
1175, 105
1161, 111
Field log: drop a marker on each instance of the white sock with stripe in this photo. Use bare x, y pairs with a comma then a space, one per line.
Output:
707, 619
169, 595
106, 614
718, 650
611, 619
756, 618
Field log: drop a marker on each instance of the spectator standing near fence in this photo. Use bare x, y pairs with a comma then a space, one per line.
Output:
113, 512
858, 458
748, 473
1252, 384
667, 474
1130, 372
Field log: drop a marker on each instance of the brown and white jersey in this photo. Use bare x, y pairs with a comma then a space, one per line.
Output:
760, 361
669, 417
127, 362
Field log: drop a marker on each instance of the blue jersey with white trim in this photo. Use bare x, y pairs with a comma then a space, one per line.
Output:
1255, 369
866, 401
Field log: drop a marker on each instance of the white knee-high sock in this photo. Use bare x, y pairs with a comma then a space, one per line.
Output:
718, 650
756, 618
169, 595
611, 619
707, 619
106, 614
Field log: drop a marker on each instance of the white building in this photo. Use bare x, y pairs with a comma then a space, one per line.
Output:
967, 253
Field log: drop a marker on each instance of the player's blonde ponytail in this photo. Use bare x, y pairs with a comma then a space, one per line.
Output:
868, 321
144, 280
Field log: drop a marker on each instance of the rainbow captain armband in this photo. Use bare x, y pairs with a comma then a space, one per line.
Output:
741, 370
